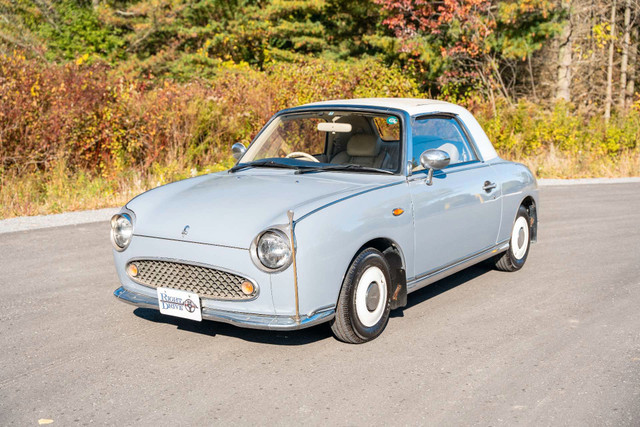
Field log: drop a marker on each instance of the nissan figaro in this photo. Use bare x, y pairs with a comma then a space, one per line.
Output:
335, 212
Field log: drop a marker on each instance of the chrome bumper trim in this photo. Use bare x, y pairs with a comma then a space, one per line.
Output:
245, 320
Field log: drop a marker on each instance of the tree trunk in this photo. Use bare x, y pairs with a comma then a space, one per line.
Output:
487, 84
533, 81
609, 97
591, 64
626, 39
563, 87
633, 67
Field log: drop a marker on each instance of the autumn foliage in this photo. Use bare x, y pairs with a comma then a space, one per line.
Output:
102, 100
87, 118
468, 43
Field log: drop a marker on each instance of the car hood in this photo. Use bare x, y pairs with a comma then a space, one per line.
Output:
231, 209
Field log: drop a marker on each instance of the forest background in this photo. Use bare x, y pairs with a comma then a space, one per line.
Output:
103, 99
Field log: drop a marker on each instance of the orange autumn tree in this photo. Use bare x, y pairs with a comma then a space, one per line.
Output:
469, 44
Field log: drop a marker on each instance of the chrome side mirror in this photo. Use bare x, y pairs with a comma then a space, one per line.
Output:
238, 149
434, 160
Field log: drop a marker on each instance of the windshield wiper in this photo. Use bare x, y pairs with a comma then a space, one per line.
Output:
262, 164
349, 168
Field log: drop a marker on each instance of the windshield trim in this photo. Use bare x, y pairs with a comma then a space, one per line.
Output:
351, 167
271, 162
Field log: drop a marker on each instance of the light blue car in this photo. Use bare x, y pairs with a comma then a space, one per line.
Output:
334, 213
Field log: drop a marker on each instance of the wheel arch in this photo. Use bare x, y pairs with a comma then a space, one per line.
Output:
394, 256
530, 205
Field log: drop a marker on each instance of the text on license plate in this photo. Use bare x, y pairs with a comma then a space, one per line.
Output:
179, 303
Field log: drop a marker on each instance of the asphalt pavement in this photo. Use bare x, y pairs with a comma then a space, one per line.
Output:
557, 343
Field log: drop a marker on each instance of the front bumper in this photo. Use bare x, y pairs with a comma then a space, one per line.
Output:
245, 320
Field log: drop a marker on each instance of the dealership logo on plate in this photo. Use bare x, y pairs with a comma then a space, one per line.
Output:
190, 306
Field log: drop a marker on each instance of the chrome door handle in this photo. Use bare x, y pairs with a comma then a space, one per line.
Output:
488, 186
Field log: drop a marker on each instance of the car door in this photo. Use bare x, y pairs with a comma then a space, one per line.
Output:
458, 215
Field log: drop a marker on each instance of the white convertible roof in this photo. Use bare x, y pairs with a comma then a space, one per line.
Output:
417, 106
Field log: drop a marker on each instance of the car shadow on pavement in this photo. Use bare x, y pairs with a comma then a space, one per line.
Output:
301, 337
309, 335
443, 285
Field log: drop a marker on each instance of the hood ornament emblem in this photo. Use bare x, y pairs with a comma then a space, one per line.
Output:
185, 231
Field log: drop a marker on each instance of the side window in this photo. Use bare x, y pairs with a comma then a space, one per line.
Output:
440, 133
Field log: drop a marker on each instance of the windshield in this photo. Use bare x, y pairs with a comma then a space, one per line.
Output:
328, 140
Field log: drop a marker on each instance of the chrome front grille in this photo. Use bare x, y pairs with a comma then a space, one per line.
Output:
206, 282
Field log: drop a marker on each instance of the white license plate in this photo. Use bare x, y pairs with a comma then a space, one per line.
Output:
179, 303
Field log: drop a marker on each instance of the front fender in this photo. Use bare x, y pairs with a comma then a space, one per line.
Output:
329, 238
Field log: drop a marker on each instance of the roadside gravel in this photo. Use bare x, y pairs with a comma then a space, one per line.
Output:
85, 217
24, 223
586, 181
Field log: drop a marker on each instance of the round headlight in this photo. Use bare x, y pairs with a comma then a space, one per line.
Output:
273, 249
121, 231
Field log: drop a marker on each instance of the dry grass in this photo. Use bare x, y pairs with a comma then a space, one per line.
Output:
553, 163
61, 191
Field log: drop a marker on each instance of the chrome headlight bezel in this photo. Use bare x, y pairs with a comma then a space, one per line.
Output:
255, 254
128, 217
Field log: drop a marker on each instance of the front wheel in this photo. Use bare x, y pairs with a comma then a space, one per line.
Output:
515, 257
365, 299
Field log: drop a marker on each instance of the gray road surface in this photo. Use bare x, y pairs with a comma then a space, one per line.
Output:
557, 343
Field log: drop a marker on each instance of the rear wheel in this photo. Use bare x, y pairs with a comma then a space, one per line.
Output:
365, 299
515, 257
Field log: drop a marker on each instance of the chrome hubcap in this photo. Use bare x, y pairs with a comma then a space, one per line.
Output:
373, 296
521, 237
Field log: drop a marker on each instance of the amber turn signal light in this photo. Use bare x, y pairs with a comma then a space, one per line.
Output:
247, 288
398, 212
132, 270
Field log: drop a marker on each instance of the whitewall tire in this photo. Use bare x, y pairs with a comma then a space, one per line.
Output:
364, 304
520, 241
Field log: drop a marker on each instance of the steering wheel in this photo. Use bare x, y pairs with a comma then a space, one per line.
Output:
307, 156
